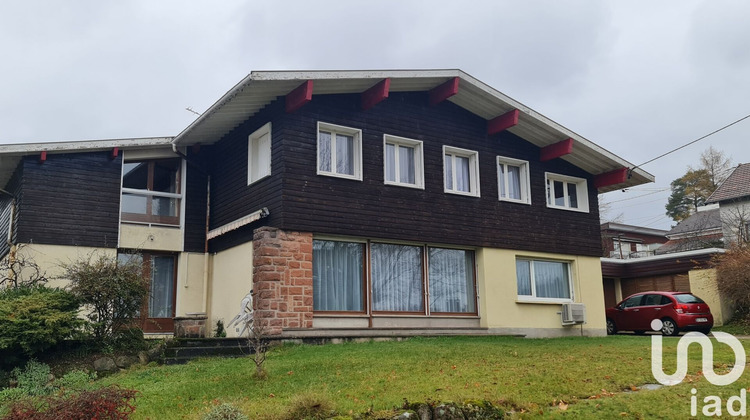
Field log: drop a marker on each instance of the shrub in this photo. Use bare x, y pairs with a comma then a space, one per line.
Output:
114, 292
310, 406
224, 412
75, 380
34, 378
104, 403
733, 278
33, 319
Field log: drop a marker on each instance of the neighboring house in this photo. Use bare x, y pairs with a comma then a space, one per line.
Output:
352, 202
700, 230
733, 198
627, 241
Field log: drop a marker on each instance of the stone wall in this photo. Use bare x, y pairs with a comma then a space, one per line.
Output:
282, 279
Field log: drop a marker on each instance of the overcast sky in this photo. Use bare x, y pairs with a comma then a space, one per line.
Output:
638, 78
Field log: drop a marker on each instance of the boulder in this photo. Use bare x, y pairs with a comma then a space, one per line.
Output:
124, 362
105, 365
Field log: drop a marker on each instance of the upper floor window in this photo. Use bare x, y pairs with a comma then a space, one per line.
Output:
259, 154
151, 191
461, 171
403, 162
513, 180
339, 151
567, 192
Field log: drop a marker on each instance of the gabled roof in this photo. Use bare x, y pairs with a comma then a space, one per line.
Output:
737, 185
10, 154
260, 88
703, 222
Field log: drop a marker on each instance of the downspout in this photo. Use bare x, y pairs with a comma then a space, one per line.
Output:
204, 306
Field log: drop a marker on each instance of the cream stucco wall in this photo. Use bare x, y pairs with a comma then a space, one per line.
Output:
231, 280
703, 284
190, 277
51, 258
152, 238
502, 313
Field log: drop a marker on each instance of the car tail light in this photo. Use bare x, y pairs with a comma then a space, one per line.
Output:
680, 309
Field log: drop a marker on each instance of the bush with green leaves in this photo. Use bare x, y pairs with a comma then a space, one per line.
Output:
224, 412
34, 378
113, 292
33, 319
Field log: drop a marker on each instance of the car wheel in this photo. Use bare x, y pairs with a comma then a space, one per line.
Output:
611, 327
669, 327
705, 330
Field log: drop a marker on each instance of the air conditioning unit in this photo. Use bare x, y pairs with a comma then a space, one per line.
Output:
573, 313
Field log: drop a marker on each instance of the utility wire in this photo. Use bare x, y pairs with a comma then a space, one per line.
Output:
692, 142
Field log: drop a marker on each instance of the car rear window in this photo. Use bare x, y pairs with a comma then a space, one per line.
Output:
688, 298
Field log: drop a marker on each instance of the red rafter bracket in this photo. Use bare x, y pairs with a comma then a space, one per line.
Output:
503, 122
301, 95
618, 176
446, 90
43, 156
115, 152
375, 94
556, 150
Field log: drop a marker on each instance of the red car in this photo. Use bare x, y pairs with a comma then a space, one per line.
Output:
678, 311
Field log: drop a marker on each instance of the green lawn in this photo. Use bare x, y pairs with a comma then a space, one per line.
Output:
592, 376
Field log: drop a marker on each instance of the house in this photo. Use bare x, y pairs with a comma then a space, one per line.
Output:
733, 198
352, 202
700, 230
628, 241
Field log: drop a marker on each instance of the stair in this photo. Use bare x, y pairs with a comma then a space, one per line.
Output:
182, 350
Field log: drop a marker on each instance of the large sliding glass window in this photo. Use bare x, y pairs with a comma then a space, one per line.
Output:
338, 270
151, 191
451, 280
397, 278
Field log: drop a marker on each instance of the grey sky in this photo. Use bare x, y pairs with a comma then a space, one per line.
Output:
638, 78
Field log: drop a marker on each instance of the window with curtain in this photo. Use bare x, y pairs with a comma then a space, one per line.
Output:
403, 162
451, 280
543, 279
513, 180
397, 278
338, 270
339, 151
567, 192
461, 171
259, 154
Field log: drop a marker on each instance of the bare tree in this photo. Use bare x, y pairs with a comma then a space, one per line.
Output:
735, 222
20, 269
717, 164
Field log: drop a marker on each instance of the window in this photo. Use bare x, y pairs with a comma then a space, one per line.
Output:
397, 278
403, 162
339, 151
161, 272
259, 154
513, 180
567, 192
451, 280
543, 280
632, 302
338, 275
151, 191
461, 171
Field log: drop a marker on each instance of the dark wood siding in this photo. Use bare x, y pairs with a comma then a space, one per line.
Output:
71, 199
231, 197
329, 205
195, 202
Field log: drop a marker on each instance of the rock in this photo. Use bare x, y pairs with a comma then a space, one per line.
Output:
481, 410
105, 364
407, 415
424, 412
447, 411
124, 362
155, 353
143, 357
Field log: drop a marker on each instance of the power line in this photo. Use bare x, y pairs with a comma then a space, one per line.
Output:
639, 196
692, 142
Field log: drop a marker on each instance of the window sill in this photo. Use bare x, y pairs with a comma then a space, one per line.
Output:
510, 200
543, 301
567, 208
399, 184
465, 194
335, 175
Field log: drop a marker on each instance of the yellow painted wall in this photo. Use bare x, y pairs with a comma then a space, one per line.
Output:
50, 258
153, 238
501, 312
703, 284
190, 283
231, 280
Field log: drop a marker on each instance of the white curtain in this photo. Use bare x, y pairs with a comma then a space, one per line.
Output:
523, 277
397, 278
324, 151
344, 154
390, 162
551, 279
514, 182
448, 172
161, 302
406, 164
451, 280
337, 276
462, 174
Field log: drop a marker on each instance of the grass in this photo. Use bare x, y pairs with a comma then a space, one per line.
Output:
736, 327
580, 377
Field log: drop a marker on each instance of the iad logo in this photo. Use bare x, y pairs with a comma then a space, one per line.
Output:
708, 357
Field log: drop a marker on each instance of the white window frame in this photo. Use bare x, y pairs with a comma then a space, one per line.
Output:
533, 298
357, 144
473, 156
265, 170
523, 175
418, 160
582, 192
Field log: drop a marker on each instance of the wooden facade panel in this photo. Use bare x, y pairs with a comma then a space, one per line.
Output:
195, 203
70, 199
